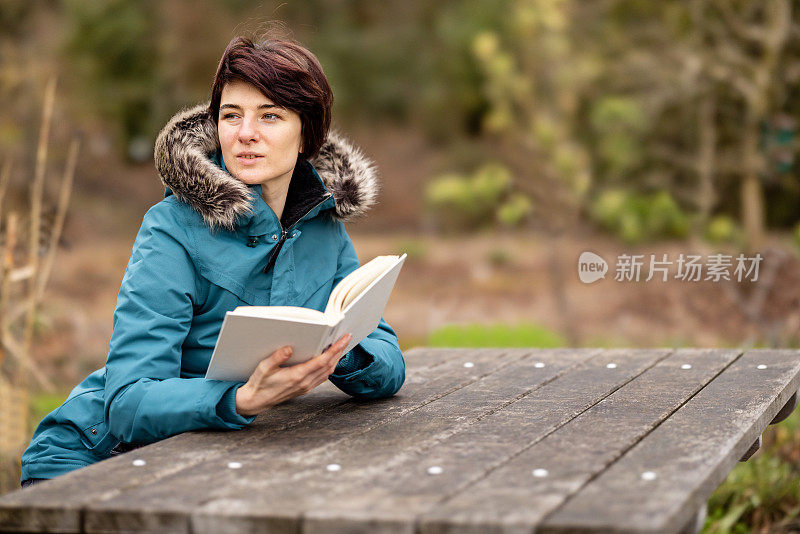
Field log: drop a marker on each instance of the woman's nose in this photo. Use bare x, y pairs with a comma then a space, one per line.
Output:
247, 131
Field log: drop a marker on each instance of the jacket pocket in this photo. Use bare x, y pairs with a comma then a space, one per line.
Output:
86, 414
231, 286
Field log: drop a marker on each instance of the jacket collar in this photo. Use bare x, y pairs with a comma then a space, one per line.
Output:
184, 159
307, 196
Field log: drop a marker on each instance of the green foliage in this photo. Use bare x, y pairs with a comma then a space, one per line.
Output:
42, 404
471, 202
640, 217
515, 210
400, 60
453, 194
765, 490
453, 86
499, 335
723, 229
534, 77
620, 123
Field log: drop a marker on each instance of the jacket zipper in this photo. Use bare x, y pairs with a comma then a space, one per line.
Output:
273, 254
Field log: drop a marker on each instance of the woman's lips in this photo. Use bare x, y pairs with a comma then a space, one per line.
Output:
247, 161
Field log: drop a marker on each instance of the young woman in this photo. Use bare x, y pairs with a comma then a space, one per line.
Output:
257, 191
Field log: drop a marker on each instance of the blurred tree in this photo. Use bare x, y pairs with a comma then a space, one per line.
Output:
453, 100
114, 48
462, 203
748, 43
656, 65
686, 96
535, 77
717, 71
15, 18
712, 77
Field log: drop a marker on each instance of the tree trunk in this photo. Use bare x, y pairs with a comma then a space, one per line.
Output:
706, 158
752, 195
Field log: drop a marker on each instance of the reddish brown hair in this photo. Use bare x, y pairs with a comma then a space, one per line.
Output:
286, 73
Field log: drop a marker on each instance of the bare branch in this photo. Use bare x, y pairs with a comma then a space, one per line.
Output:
5, 177
61, 213
741, 29
18, 352
37, 190
5, 282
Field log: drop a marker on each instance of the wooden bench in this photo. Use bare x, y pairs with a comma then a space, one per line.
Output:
486, 440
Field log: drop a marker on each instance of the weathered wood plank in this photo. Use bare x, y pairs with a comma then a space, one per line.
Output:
408, 491
512, 499
55, 505
689, 454
277, 454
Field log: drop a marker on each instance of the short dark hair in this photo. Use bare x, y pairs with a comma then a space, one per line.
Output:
286, 73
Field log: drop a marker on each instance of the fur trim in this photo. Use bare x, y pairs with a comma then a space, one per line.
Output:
181, 158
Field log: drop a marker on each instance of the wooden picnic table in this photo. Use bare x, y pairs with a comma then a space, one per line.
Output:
489, 440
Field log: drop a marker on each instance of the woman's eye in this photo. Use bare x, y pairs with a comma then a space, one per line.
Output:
270, 117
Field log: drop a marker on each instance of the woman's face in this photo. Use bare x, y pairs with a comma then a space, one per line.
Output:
259, 140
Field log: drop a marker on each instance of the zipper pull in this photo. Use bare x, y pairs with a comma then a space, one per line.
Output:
273, 254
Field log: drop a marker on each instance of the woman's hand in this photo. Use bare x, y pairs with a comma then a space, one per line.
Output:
271, 384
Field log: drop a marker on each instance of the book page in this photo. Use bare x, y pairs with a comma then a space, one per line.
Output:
364, 312
362, 282
354, 283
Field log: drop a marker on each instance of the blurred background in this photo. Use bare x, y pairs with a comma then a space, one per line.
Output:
511, 136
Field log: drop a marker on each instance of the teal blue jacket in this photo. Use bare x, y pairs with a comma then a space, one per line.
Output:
185, 272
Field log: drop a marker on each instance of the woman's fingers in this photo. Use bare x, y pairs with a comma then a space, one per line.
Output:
320, 377
277, 384
330, 368
317, 375
325, 358
334, 352
274, 384
268, 365
324, 366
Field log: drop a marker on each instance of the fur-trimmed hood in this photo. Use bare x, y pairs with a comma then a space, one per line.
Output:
183, 153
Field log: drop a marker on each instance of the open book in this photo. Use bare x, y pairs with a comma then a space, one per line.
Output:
251, 333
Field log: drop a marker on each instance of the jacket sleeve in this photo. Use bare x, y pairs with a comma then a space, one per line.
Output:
375, 367
146, 400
